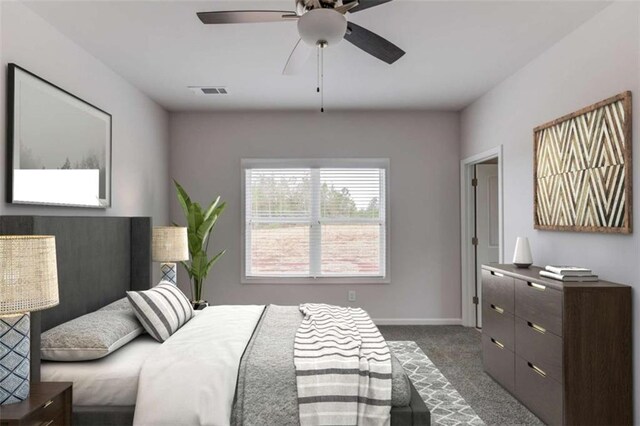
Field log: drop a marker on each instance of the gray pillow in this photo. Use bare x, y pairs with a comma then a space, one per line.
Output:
91, 336
118, 305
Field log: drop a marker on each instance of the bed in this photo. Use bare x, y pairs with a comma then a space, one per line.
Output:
99, 259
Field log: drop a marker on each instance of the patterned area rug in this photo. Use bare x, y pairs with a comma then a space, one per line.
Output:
446, 405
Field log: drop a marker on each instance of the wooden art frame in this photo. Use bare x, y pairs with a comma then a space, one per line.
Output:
582, 170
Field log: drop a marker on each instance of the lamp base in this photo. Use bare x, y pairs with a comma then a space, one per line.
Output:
169, 272
15, 347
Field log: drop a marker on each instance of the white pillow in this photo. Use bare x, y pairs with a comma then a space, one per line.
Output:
162, 310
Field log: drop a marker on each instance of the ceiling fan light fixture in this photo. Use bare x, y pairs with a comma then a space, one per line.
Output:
322, 26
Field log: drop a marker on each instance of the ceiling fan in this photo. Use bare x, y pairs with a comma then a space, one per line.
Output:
321, 23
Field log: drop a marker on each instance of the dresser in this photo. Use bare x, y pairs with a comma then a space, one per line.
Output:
562, 349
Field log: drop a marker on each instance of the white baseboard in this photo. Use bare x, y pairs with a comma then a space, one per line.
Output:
418, 321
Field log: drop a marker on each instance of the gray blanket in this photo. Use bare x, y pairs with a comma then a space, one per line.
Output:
266, 391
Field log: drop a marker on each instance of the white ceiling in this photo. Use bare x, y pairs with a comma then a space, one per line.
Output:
456, 51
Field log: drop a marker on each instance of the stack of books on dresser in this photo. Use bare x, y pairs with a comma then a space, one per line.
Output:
568, 273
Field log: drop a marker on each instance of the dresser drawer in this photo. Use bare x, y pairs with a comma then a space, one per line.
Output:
498, 323
497, 289
539, 392
498, 362
539, 304
540, 347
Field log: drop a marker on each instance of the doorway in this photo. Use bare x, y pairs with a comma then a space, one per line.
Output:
481, 189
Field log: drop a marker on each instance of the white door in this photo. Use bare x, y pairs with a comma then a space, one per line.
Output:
488, 248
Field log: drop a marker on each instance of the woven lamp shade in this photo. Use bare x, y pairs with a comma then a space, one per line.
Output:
170, 244
28, 274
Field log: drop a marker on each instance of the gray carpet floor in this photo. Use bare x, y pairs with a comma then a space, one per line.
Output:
456, 351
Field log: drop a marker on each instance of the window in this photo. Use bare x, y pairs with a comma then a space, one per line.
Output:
309, 220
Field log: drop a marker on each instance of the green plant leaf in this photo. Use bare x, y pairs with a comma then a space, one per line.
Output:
187, 267
211, 208
207, 226
199, 265
194, 221
213, 261
183, 198
198, 218
199, 214
194, 244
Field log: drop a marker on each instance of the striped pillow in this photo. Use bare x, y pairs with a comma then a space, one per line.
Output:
161, 310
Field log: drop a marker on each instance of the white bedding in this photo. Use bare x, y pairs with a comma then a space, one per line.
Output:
109, 381
191, 378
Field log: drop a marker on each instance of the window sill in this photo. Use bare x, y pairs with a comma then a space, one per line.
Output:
316, 281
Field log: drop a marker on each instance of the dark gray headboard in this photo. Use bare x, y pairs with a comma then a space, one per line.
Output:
99, 258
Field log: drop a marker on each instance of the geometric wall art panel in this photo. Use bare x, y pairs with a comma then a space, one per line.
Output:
582, 169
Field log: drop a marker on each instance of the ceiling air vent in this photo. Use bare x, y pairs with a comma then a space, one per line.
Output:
208, 90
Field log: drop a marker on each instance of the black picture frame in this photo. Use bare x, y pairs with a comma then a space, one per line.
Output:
104, 197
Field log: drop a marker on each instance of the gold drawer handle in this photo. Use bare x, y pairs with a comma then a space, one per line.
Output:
48, 403
498, 309
537, 328
49, 423
537, 286
498, 344
497, 274
537, 370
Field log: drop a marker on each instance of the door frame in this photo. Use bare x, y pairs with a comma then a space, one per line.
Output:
466, 222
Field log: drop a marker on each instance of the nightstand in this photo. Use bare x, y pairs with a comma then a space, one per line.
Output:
49, 404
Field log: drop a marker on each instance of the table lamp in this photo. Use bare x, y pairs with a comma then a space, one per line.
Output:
28, 282
170, 245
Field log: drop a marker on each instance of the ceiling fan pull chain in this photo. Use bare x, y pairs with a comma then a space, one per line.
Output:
321, 78
318, 69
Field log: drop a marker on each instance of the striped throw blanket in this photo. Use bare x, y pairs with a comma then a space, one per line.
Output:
343, 368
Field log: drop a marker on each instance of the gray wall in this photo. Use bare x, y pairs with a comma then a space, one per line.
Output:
140, 126
423, 147
598, 60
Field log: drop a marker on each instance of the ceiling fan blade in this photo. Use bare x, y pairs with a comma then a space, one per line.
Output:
346, 7
373, 44
298, 58
246, 16
366, 4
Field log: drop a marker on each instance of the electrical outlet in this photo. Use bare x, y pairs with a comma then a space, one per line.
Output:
352, 296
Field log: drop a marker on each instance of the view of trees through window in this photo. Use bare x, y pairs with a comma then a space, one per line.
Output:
286, 196
305, 222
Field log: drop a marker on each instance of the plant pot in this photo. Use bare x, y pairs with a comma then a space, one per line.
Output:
199, 305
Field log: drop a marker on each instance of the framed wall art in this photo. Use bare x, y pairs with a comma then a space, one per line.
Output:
59, 145
582, 169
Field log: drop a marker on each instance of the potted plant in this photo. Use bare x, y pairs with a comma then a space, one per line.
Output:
200, 224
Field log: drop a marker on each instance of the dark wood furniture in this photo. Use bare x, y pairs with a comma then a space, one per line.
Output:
49, 404
563, 349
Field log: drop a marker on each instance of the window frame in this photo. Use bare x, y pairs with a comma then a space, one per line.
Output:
380, 163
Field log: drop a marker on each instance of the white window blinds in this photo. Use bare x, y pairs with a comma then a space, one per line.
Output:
315, 222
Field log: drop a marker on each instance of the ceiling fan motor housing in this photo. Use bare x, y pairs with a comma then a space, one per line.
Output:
303, 6
320, 26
